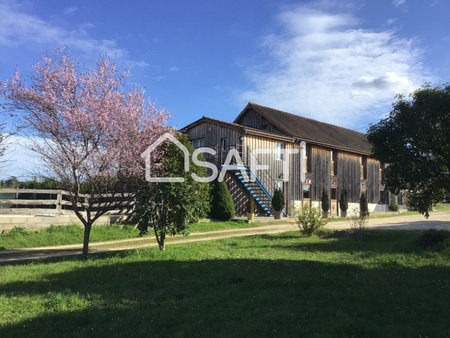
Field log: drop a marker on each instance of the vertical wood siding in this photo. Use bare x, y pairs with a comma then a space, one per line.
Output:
320, 169
213, 133
254, 119
349, 172
373, 182
292, 188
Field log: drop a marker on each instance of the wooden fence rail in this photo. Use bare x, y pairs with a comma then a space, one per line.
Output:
54, 200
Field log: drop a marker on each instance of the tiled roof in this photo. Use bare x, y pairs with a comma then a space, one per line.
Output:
312, 130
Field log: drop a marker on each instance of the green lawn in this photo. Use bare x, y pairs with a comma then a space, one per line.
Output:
60, 235
442, 207
268, 285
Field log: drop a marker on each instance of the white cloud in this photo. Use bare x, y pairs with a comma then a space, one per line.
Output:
398, 3
174, 69
18, 28
325, 66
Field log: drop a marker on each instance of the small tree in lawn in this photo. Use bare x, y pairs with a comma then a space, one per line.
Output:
343, 203
310, 220
359, 224
363, 205
222, 205
325, 203
90, 129
171, 208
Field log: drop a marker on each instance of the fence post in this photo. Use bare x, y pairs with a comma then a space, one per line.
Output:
58, 203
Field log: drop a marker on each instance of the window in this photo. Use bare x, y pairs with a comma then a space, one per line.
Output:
306, 191
198, 143
364, 167
333, 193
279, 151
223, 143
333, 162
279, 185
383, 197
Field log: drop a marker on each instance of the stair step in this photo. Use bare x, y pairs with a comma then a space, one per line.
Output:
256, 190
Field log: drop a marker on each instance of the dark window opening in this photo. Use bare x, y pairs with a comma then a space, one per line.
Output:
333, 193
382, 197
223, 142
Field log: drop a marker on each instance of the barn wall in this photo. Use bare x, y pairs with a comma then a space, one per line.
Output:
254, 119
320, 170
373, 181
349, 175
292, 188
213, 133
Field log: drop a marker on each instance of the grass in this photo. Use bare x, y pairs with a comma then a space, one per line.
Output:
235, 224
267, 285
60, 235
442, 207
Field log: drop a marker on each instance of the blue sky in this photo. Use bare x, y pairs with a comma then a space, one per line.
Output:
336, 61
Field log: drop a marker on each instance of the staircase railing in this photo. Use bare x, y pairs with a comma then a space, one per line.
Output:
264, 176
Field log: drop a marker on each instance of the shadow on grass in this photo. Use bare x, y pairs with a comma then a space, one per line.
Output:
425, 224
236, 297
374, 242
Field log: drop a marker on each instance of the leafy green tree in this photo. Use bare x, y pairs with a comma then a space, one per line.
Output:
414, 140
222, 205
171, 208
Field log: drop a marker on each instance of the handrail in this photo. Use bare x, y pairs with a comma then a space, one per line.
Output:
263, 188
266, 173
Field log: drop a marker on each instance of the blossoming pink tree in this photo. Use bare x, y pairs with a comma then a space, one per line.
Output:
90, 129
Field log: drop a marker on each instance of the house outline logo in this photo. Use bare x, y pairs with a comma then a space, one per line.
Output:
146, 156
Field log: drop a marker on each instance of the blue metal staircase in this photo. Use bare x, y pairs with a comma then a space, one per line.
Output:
254, 186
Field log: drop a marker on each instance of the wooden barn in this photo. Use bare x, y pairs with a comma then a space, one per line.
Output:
303, 157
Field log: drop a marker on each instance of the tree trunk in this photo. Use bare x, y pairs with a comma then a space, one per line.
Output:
162, 246
160, 239
87, 232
